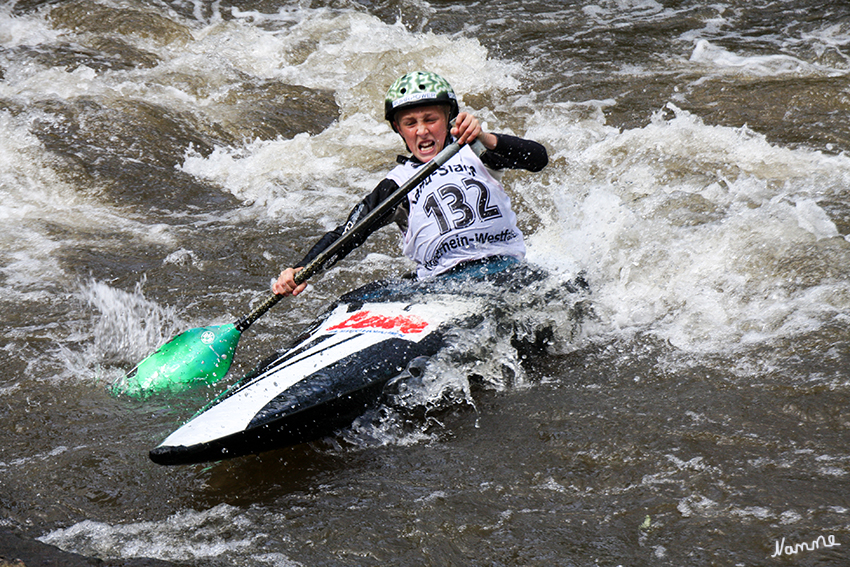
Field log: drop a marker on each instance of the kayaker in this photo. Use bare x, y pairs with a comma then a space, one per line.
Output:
461, 213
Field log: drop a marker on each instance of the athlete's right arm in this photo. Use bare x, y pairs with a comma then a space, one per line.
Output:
285, 283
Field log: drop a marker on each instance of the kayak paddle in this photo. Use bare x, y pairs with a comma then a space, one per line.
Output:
203, 355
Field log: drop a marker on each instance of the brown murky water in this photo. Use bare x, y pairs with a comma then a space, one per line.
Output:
160, 161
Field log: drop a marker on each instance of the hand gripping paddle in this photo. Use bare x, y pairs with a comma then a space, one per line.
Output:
203, 355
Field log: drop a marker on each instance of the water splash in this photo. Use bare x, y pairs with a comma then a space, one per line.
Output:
128, 325
709, 236
487, 354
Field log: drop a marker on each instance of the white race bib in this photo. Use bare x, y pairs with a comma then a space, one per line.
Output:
460, 212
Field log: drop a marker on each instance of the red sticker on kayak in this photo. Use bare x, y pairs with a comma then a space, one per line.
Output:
366, 321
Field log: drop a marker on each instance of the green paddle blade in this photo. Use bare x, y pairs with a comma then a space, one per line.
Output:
194, 357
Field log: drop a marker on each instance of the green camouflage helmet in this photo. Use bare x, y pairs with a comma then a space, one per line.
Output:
419, 88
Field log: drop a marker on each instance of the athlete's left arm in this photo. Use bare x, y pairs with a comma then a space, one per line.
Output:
503, 151
511, 152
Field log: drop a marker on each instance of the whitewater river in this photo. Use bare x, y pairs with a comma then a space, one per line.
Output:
162, 160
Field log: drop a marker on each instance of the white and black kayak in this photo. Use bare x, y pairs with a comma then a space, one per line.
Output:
329, 376
345, 363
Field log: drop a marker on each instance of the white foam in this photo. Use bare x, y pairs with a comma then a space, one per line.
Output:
685, 228
813, 219
357, 57
34, 197
18, 30
605, 10
223, 532
724, 61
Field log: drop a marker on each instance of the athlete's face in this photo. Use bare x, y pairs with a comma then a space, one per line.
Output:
424, 129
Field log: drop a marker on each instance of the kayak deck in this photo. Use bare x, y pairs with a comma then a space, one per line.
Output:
336, 370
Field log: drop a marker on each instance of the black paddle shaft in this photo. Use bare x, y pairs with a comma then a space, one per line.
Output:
329, 255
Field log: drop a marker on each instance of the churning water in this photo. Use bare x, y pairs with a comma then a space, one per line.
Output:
162, 160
